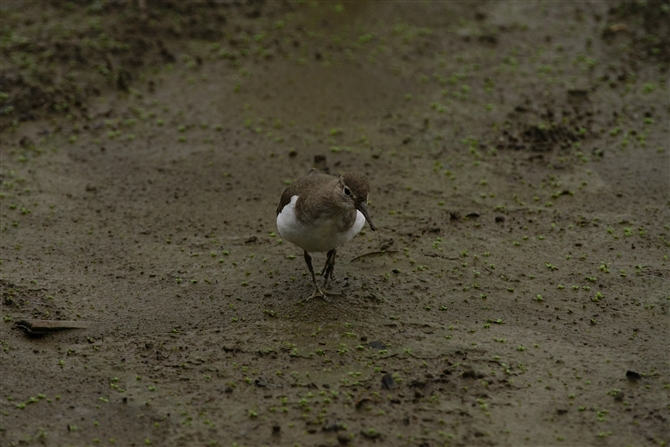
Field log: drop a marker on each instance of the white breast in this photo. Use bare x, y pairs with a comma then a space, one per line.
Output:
319, 236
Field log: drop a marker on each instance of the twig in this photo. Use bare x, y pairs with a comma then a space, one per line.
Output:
372, 253
42, 327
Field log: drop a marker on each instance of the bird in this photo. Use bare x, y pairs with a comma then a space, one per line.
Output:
319, 213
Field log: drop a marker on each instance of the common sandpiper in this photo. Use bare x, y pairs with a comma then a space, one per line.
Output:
319, 213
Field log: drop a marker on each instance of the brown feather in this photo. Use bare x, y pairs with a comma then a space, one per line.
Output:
316, 198
296, 186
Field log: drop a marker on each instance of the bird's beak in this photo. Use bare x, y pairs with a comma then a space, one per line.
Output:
363, 208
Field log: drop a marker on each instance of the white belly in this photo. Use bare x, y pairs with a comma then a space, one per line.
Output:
320, 236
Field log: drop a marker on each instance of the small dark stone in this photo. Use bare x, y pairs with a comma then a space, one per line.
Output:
500, 219
260, 382
123, 79
387, 382
253, 14
632, 375
333, 426
276, 428
251, 239
343, 439
377, 345
578, 93
370, 434
488, 38
472, 215
361, 402
471, 374
561, 411
386, 244
26, 142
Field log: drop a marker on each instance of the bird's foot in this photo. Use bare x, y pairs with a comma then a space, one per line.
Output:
322, 293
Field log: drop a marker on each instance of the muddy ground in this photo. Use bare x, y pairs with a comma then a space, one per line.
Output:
516, 291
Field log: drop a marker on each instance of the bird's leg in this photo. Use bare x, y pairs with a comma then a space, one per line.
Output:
318, 291
328, 269
308, 260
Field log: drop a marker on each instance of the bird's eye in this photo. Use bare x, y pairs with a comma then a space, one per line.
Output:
347, 191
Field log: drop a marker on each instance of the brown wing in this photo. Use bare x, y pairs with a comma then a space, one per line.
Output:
285, 198
293, 188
